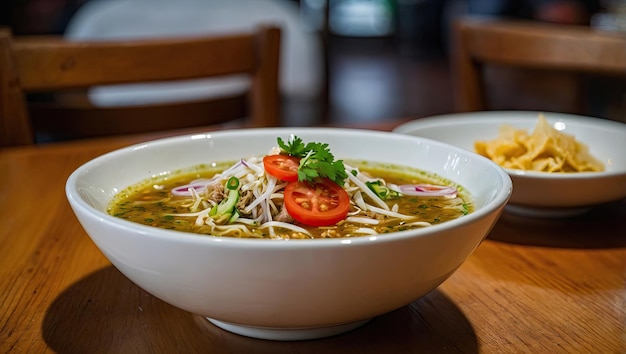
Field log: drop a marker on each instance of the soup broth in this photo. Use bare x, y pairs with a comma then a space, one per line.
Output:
152, 203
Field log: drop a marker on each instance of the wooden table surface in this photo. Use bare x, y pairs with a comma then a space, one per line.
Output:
534, 285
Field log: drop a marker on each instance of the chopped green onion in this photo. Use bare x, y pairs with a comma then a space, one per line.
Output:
234, 216
233, 183
381, 190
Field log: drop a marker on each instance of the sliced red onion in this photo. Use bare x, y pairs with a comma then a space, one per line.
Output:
424, 190
200, 185
228, 171
251, 166
184, 191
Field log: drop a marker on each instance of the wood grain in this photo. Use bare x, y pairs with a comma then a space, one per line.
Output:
533, 286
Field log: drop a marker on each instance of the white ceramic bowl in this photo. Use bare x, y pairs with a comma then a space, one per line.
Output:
296, 289
542, 193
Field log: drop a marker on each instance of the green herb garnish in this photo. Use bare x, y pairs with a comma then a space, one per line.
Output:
316, 160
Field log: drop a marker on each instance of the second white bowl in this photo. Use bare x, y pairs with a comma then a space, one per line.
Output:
545, 192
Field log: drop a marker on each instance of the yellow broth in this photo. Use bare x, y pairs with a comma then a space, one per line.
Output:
151, 203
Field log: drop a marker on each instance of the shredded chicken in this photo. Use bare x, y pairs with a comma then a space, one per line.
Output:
217, 193
283, 216
244, 200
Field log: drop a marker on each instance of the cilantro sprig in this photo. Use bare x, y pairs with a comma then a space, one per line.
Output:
316, 160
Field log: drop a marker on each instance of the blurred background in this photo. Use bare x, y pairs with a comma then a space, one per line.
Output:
352, 61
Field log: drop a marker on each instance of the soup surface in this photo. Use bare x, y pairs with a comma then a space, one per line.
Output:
382, 199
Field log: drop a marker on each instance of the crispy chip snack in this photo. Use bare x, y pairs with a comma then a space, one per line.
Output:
545, 149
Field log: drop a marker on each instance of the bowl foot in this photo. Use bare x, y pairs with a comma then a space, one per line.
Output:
287, 334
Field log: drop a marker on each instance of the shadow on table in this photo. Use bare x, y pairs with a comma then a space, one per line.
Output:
603, 226
105, 312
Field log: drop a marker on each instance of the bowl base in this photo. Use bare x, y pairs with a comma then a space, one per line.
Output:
548, 213
287, 334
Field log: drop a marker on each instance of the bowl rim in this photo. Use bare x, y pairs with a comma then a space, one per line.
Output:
77, 202
452, 119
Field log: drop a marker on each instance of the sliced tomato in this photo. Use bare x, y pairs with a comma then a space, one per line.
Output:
321, 203
283, 167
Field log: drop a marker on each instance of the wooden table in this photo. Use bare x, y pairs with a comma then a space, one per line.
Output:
536, 286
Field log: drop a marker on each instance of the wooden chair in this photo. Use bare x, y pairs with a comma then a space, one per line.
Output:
33, 65
547, 48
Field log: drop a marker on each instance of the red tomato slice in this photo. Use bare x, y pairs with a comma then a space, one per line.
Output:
283, 167
321, 203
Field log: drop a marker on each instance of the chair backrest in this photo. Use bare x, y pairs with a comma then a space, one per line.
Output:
478, 42
44, 64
